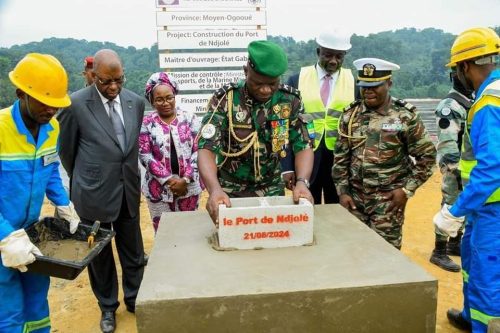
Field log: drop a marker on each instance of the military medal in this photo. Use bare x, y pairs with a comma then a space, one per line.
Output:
241, 115
275, 135
285, 111
208, 131
283, 154
277, 108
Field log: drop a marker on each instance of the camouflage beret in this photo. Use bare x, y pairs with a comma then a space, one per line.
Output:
267, 58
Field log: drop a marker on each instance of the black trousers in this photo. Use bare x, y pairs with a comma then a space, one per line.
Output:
102, 270
321, 178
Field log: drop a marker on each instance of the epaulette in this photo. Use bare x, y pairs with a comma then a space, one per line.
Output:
352, 105
289, 89
405, 104
225, 88
460, 99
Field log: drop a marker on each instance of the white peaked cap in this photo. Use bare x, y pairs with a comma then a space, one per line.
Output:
373, 72
334, 39
380, 65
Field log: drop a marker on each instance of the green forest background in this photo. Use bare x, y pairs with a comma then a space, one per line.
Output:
421, 54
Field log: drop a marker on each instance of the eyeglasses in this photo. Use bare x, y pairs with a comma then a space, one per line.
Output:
121, 80
163, 100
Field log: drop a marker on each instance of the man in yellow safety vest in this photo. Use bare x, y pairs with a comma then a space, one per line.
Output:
326, 89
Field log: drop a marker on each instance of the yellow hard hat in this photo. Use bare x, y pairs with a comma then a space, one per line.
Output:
42, 77
474, 43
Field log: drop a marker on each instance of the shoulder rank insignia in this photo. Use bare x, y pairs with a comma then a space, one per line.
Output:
225, 88
352, 105
289, 89
405, 104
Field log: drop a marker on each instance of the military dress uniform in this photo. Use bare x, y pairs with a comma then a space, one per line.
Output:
373, 156
249, 138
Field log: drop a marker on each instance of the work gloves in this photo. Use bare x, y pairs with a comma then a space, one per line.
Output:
18, 251
69, 214
446, 222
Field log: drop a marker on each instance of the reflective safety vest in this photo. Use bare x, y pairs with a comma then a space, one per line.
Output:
325, 119
490, 96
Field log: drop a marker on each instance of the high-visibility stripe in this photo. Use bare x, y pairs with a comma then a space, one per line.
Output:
489, 97
14, 157
480, 103
481, 316
465, 167
27, 156
31, 326
332, 133
465, 276
495, 197
18, 145
317, 115
334, 113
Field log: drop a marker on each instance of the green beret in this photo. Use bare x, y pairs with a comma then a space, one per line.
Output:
267, 58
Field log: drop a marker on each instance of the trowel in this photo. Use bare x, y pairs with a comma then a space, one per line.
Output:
93, 232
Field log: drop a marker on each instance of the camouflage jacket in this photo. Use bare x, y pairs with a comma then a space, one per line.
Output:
451, 116
388, 149
450, 119
277, 123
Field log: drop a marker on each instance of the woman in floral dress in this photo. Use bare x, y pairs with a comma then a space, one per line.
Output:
168, 151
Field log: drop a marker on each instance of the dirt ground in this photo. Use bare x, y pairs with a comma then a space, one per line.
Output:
74, 308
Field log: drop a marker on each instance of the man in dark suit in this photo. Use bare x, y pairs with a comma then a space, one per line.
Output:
99, 150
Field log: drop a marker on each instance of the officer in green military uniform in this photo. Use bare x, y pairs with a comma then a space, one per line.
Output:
383, 153
451, 116
247, 129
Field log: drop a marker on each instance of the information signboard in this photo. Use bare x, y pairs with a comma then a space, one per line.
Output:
209, 18
206, 80
193, 102
199, 60
203, 39
210, 3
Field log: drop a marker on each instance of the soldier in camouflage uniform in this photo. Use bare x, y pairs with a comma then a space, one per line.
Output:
247, 129
383, 153
451, 115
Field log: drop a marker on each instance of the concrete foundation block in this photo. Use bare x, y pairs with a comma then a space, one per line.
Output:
350, 280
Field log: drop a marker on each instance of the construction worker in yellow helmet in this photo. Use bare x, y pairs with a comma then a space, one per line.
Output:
29, 171
475, 54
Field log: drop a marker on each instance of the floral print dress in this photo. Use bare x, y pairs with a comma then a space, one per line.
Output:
155, 155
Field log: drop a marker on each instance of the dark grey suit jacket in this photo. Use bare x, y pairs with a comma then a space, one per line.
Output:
99, 170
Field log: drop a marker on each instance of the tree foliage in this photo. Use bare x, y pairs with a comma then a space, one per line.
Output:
421, 54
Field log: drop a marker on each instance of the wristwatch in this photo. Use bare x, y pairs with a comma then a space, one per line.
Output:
186, 179
305, 181
408, 193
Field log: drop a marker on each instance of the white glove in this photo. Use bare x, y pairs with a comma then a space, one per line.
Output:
69, 214
18, 251
446, 222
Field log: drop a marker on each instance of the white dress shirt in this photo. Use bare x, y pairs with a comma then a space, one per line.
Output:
117, 105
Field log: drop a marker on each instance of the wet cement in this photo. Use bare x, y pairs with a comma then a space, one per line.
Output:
67, 249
